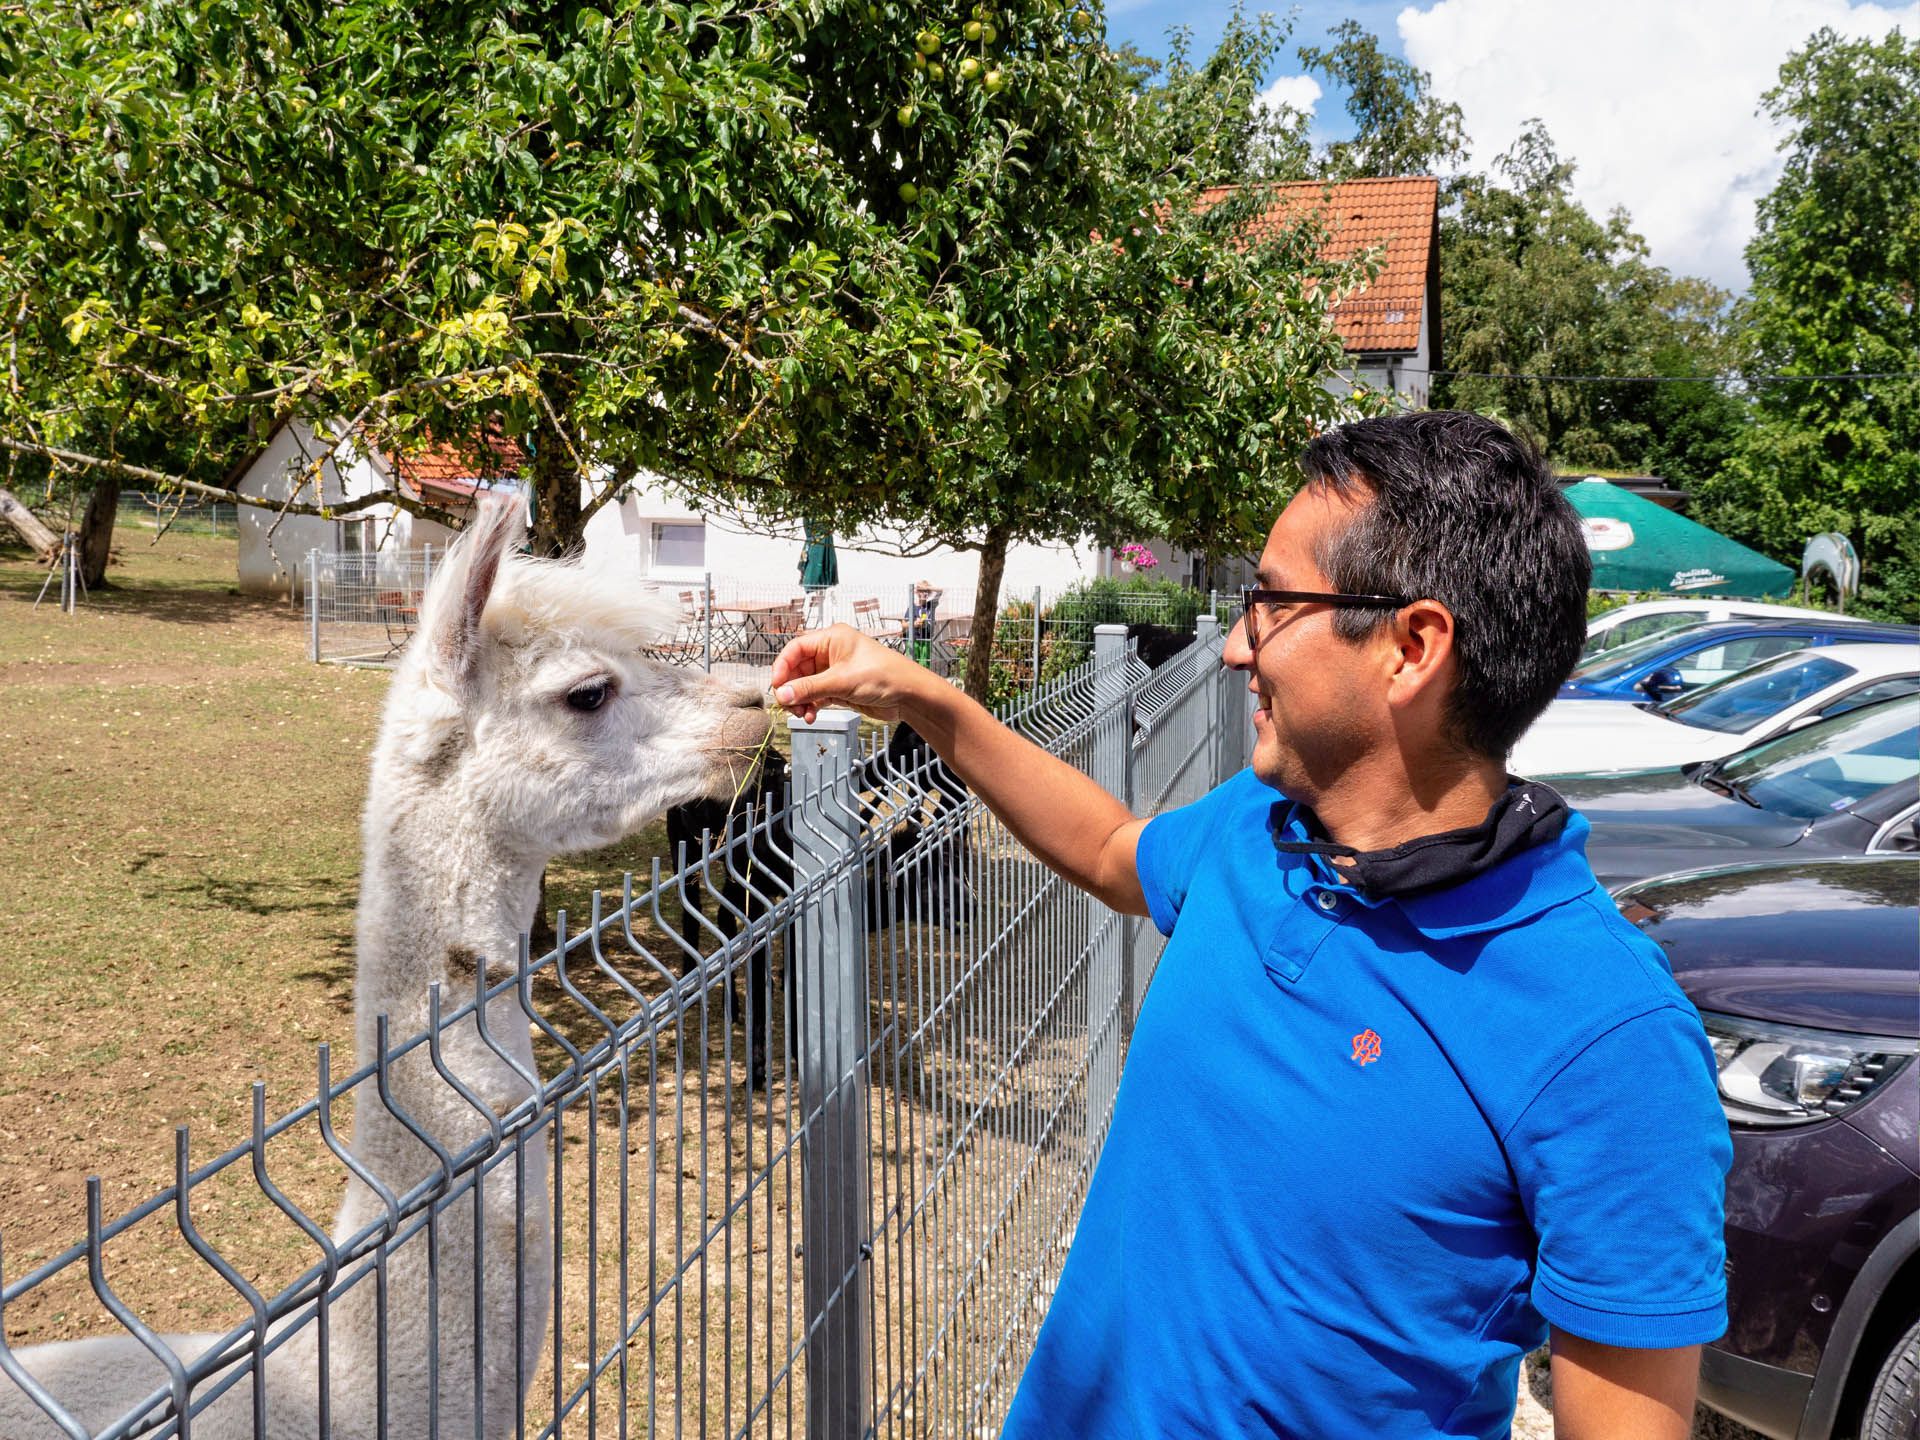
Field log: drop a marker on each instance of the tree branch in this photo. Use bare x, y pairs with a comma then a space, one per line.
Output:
396, 498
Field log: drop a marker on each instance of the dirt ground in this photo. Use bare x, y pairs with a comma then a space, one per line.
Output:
180, 792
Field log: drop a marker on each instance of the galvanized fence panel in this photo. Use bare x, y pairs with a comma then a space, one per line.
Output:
788, 1139
363, 606
144, 510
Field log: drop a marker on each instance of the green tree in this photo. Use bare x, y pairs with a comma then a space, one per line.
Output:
1534, 288
608, 229
1401, 127
1835, 263
1160, 364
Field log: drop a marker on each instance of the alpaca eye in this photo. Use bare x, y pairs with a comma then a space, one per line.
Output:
589, 697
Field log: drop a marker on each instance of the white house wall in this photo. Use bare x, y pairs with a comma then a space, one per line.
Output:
273, 547
749, 561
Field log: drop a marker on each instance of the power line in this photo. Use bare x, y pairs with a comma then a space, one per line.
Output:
1668, 379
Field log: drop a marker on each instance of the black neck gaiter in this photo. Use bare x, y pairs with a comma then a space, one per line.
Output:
1527, 814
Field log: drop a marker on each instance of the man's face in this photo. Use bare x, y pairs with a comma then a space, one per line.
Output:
1321, 698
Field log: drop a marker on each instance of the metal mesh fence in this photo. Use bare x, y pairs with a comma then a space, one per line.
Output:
362, 606
150, 511
790, 1139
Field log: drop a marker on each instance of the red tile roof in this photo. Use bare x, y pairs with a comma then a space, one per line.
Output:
1402, 214
453, 474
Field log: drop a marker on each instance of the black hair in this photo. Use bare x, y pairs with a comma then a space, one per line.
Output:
1455, 508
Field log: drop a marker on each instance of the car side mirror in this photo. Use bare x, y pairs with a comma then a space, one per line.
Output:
1662, 683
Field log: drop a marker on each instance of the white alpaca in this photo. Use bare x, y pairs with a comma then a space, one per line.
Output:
523, 723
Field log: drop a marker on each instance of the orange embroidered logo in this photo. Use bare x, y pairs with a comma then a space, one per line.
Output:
1366, 1047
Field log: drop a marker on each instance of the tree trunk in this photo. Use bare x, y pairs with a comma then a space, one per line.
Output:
986, 612
96, 529
557, 526
46, 544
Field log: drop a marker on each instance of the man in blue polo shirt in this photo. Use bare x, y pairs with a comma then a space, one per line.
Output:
1407, 1095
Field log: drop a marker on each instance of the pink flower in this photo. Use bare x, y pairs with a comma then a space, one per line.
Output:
1137, 555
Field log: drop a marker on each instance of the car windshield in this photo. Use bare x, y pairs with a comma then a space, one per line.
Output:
1612, 641
1742, 701
1832, 765
1618, 661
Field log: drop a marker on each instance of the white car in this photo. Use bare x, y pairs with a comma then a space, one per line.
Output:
1604, 737
1656, 617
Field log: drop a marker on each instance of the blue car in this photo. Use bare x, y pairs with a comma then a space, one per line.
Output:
1676, 661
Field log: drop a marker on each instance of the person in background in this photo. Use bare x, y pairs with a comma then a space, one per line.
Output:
919, 623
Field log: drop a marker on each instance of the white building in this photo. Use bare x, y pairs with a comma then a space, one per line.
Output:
653, 532
273, 547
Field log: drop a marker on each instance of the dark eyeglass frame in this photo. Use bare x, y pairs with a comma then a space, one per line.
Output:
1252, 595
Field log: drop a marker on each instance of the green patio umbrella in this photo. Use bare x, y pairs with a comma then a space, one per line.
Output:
1638, 545
819, 566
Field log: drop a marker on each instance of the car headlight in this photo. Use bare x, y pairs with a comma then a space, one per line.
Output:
1785, 1075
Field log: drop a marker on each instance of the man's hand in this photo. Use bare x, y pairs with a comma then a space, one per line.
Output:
840, 666
1057, 812
1609, 1392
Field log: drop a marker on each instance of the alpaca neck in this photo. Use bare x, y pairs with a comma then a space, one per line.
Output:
436, 897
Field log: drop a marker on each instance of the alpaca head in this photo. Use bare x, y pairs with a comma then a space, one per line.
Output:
525, 699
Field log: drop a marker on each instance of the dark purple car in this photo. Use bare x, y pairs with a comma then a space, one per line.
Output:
1807, 977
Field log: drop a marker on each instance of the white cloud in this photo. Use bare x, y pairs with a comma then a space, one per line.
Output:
1296, 92
1655, 101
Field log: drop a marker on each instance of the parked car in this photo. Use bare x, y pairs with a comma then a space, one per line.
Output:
1627, 623
1663, 666
1846, 785
1805, 976
1584, 737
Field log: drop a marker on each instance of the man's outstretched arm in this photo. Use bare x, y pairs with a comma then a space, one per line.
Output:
1066, 819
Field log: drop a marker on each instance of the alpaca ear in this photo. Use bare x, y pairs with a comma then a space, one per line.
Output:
459, 594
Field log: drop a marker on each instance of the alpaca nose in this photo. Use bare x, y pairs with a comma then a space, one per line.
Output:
753, 698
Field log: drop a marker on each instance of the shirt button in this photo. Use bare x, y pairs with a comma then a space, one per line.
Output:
1327, 900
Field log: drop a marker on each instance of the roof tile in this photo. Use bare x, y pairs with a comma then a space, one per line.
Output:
1400, 213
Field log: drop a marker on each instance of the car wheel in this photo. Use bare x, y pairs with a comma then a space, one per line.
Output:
1893, 1405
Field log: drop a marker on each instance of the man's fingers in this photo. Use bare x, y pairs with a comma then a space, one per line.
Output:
803, 655
802, 690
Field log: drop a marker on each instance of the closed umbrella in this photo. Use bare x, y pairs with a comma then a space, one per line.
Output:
819, 566
1638, 545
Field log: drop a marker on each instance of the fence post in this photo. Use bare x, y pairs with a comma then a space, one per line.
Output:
1036, 638
706, 622
313, 605
1206, 634
1107, 932
830, 972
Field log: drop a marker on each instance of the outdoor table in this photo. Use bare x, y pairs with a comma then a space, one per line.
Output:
759, 630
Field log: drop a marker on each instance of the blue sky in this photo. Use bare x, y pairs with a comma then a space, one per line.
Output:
1144, 25
1655, 101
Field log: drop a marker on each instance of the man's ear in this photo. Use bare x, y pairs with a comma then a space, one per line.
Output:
450, 621
1423, 635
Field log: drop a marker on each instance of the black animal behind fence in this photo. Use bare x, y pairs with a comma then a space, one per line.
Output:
747, 843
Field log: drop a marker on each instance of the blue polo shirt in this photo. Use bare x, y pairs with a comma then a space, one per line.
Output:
1366, 1150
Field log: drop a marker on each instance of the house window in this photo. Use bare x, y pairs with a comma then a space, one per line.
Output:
679, 545
356, 536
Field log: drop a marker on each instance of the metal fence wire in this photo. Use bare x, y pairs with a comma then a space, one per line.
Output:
362, 605
803, 1133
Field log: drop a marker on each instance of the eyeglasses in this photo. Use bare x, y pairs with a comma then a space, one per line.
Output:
1252, 596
